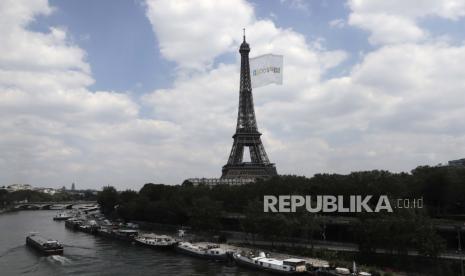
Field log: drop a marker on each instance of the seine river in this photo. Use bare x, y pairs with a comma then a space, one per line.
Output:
90, 255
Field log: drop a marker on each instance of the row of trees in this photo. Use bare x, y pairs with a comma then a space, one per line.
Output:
211, 208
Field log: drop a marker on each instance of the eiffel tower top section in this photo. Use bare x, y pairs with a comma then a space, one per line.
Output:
244, 46
246, 122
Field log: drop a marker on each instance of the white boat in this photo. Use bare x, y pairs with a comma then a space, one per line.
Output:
263, 262
62, 216
208, 251
342, 271
156, 241
132, 225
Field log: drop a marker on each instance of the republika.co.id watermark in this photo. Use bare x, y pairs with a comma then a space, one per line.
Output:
337, 204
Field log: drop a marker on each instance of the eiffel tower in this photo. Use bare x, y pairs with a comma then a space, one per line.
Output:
247, 134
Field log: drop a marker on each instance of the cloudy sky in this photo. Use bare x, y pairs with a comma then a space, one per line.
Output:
130, 92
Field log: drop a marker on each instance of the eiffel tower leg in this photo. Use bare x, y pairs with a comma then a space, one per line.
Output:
262, 152
254, 154
237, 152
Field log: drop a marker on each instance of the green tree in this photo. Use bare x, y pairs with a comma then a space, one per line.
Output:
108, 198
309, 225
426, 240
251, 223
273, 226
205, 214
4, 200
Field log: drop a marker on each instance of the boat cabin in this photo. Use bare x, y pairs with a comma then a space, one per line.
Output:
295, 264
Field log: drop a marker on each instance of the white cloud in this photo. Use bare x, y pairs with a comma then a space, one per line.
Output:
396, 21
388, 28
451, 9
17, 14
193, 33
301, 5
337, 23
422, 83
54, 130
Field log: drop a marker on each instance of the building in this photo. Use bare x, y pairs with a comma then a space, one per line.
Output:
457, 163
220, 181
49, 191
18, 187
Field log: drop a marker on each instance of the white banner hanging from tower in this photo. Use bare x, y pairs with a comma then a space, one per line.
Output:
266, 69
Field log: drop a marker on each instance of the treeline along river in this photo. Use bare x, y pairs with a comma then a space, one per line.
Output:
90, 255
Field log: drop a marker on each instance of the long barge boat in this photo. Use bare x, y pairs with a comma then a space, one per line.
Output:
44, 245
291, 266
156, 241
210, 251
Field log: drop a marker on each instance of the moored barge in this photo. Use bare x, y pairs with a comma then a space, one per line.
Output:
62, 216
156, 241
209, 251
73, 223
119, 234
263, 262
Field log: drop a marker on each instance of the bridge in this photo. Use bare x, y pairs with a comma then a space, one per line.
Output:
50, 205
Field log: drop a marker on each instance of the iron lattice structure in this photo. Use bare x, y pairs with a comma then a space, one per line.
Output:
247, 134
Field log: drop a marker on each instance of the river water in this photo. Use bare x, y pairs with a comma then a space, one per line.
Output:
85, 254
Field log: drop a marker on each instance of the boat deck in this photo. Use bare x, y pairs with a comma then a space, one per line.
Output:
314, 262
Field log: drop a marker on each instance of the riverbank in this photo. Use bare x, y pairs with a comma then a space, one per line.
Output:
336, 253
386, 264
131, 232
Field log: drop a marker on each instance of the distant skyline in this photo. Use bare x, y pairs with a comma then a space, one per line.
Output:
128, 92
